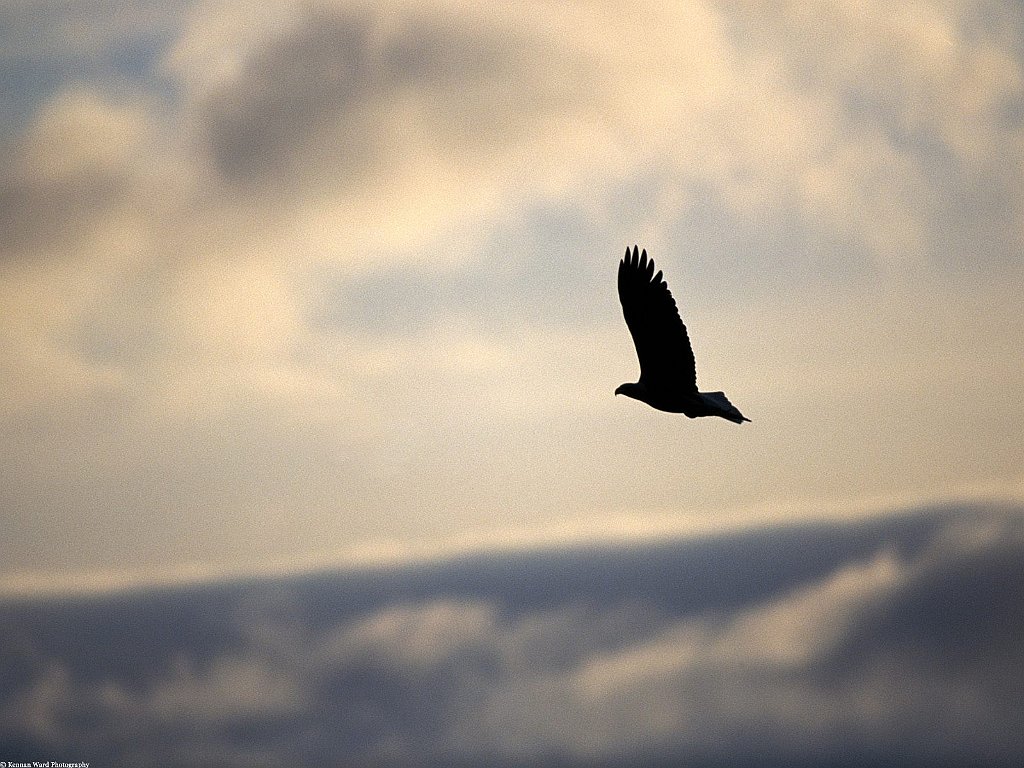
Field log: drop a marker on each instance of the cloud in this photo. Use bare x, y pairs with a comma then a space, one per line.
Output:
427, 110
939, 71
48, 45
339, 83
887, 640
347, 122
919, 104
71, 167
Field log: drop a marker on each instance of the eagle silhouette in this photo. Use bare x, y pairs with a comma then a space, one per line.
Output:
668, 374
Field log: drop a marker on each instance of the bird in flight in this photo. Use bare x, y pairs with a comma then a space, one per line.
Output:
668, 375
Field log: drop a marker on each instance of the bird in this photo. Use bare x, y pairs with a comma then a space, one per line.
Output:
668, 373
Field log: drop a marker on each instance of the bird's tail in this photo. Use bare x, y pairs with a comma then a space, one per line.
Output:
720, 406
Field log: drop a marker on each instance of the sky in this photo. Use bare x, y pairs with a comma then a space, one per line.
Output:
316, 287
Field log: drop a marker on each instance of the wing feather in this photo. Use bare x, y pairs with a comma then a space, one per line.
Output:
662, 344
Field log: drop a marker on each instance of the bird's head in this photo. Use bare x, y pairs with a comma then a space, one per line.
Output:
635, 390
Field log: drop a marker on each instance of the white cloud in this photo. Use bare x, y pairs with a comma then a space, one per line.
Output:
228, 689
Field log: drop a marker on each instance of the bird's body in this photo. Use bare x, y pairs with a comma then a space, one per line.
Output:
668, 374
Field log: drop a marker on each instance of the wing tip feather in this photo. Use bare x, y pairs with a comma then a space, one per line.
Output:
636, 260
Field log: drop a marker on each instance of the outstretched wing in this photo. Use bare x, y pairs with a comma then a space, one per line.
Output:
666, 358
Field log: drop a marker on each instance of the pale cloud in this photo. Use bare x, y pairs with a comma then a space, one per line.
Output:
926, 68
753, 651
39, 708
416, 638
69, 171
230, 688
897, 86
79, 134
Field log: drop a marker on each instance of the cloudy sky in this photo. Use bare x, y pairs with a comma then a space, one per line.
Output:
293, 287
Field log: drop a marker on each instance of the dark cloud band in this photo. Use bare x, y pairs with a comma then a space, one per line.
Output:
890, 641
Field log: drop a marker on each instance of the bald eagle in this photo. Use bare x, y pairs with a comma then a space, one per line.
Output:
668, 375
